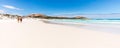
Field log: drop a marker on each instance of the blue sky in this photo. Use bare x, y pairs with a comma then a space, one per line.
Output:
59, 7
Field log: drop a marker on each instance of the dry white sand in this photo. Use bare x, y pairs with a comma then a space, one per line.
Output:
36, 34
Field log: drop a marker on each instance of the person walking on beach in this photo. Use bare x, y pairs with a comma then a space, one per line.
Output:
19, 19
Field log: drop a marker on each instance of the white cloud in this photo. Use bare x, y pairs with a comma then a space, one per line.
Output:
11, 7
2, 11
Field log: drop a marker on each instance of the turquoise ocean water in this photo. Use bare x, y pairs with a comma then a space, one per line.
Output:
110, 26
94, 21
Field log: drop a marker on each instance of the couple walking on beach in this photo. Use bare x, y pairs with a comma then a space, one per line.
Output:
19, 19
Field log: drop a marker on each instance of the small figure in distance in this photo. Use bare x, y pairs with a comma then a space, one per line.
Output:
19, 19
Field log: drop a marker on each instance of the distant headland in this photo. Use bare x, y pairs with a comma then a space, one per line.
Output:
41, 16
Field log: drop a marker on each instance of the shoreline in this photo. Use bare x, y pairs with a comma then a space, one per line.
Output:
111, 28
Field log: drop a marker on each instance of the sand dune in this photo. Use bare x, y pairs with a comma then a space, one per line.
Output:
37, 34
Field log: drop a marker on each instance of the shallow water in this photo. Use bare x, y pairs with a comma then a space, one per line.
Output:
110, 26
86, 21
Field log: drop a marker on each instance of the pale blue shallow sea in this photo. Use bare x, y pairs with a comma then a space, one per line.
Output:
86, 21
110, 26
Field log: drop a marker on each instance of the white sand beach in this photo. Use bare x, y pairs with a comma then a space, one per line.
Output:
37, 34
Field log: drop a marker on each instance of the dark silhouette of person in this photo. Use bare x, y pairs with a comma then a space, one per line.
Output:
19, 19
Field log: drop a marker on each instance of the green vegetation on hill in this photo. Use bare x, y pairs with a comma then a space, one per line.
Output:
54, 17
43, 16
